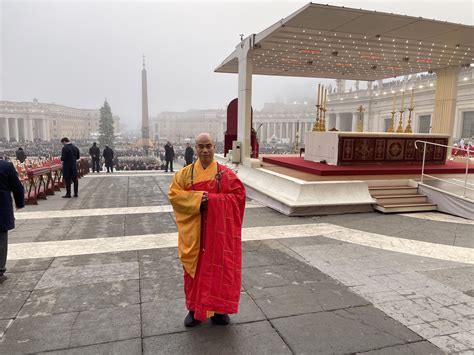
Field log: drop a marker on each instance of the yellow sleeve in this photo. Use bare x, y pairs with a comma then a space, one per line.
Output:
186, 206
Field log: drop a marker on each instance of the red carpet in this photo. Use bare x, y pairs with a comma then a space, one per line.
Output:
300, 164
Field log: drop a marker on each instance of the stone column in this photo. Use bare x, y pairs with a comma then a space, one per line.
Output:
7, 129
338, 121
26, 131
30, 129
245, 51
15, 129
46, 130
355, 117
445, 100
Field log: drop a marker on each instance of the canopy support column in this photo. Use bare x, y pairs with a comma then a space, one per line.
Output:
244, 111
445, 100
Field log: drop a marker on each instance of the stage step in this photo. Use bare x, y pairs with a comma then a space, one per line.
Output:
400, 199
404, 208
392, 190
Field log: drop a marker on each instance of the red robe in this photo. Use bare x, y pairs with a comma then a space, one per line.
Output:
217, 280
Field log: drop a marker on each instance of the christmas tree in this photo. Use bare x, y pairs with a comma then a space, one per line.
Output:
106, 126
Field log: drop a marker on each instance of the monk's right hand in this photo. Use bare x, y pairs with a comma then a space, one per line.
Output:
205, 197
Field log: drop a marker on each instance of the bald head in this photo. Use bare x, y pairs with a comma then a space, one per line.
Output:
204, 137
205, 149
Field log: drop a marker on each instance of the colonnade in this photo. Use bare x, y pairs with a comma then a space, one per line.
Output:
26, 129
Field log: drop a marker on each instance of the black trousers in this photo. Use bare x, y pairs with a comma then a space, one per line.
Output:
169, 163
95, 165
3, 251
68, 182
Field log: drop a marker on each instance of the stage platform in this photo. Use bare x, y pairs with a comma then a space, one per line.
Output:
298, 163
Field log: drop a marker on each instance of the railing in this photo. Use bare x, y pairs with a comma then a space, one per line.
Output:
468, 155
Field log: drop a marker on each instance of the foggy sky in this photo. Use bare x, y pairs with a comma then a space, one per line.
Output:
78, 53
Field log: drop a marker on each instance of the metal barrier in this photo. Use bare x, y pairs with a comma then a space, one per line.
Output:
468, 155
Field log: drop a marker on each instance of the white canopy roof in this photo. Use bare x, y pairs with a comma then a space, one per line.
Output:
342, 43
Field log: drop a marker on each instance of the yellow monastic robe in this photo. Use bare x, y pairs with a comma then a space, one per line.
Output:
186, 204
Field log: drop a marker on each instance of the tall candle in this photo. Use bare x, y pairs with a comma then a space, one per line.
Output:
403, 99
319, 89
325, 98
393, 106
411, 99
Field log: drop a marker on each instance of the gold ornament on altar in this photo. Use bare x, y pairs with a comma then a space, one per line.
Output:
392, 121
408, 128
321, 108
360, 122
400, 122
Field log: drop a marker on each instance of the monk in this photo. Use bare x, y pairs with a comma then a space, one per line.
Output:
209, 201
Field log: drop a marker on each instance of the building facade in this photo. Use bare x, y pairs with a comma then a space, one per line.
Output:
27, 121
277, 122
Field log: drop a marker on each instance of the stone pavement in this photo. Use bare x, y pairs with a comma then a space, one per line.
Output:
100, 275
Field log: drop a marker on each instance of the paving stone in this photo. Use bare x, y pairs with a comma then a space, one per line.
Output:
20, 281
165, 266
88, 274
124, 347
81, 298
461, 278
11, 302
95, 259
69, 330
332, 296
449, 344
286, 300
252, 338
280, 275
162, 288
28, 264
345, 331
421, 347
264, 257
159, 253
149, 223
4, 324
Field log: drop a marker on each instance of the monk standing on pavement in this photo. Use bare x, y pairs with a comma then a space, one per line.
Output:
208, 201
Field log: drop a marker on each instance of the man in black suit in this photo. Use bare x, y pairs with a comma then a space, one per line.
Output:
94, 152
9, 183
108, 155
169, 156
188, 154
69, 156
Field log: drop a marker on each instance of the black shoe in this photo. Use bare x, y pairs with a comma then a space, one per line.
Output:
220, 319
189, 321
3, 278
76, 195
66, 196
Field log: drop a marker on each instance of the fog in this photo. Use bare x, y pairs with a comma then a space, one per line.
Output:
78, 53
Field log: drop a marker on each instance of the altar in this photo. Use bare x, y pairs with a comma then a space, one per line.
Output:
373, 148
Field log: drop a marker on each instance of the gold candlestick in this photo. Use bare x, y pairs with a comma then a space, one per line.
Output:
400, 122
408, 127
323, 124
318, 105
360, 123
316, 124
324, 109
392, 122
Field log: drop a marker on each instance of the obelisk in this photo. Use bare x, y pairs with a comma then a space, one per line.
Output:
145, 125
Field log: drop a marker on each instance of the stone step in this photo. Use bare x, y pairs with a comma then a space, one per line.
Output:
393, 190
400, 199
407, 207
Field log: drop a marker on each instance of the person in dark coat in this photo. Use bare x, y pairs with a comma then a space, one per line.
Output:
9, 183
20, 155
94, 152
189, 154
69, 156
169, 156
109, 159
